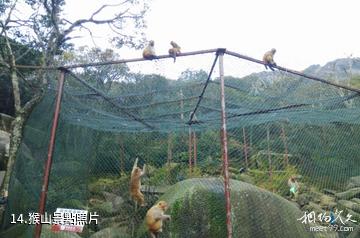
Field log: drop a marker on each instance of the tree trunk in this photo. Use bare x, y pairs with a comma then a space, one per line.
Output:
15, 140
16, 136
18, 122
16, 89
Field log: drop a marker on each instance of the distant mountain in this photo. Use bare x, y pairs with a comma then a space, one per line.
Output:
339, 69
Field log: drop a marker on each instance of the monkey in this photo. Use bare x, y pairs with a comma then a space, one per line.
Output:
149, 51
268, 59
155, 217
294, 187
242, 170
175, 50
135, 184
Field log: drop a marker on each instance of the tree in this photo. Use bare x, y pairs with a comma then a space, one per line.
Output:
102, 77
47, 30
196, 75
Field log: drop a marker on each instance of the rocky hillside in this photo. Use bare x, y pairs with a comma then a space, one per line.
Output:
346, 202
339, 69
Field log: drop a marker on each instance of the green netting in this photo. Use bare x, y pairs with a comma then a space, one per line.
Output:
278, 125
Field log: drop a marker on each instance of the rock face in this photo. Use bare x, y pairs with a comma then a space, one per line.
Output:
353, 182
197, 209
4, 148
349, 194
5, 122
110, 232
347, 202
338, 69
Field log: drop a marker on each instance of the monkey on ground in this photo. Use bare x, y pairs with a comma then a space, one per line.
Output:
294, 187
268, 59
149, 51
155, 217
135, 184
175, 50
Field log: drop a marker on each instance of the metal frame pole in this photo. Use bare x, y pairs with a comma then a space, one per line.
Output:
245, 149
283, 136
224, 144
269, 154
190, 151
195, 148
44, 188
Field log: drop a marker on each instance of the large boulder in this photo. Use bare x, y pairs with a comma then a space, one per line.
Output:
313, 207
197, 209
353, 182
349, 205
111, 232
357, 200
116, 201
355, 233
351, 193
25, 231
327, 202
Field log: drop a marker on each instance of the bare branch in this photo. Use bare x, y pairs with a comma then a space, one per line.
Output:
91, 35
27, 83
23, 54
2, 62
81, 22
30, 104
4, 25
104, 6
54, 12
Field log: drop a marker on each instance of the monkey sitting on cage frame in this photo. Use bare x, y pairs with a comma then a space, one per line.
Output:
268, 59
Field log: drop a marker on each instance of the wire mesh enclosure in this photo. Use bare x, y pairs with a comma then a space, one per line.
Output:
218, 148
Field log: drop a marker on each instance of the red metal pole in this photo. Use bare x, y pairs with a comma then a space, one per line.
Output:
269, 155
190, 151
195, 148
283, 135
224, 146
122, 155
45, 185
245, 149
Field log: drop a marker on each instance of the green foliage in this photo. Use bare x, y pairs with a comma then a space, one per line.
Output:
73, 204
277, 183
190, 75
173, 173
355, 81
107, 184
211, 166
25, 55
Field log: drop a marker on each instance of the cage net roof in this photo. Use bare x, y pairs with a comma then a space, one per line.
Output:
153, 103
278, 123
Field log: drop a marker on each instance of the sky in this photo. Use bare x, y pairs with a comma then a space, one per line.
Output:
304, 32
